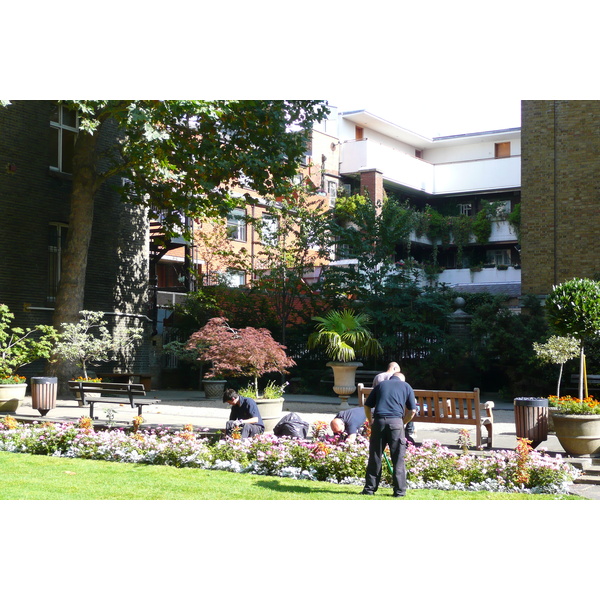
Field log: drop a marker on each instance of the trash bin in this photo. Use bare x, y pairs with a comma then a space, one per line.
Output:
531, 419
43, 393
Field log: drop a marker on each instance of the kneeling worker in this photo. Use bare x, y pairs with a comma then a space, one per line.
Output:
349, 422
244, 414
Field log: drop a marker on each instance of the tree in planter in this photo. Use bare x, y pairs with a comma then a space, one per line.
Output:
246, 352
88, 341
20, 347
557, 350
344, 334
573, 309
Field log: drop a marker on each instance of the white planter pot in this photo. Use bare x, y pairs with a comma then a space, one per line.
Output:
270, 410
11, 395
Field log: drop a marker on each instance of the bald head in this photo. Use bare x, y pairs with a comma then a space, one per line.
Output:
337, 426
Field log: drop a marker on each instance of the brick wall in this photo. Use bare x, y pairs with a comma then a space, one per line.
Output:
560, 231
31, 197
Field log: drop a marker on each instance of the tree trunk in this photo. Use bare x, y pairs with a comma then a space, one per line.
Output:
70, 296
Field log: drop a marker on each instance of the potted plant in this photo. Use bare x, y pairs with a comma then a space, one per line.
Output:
19, 347
88, 341
344, 334
573, 309
246, 352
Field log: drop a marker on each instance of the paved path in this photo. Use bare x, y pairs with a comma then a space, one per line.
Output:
182, 407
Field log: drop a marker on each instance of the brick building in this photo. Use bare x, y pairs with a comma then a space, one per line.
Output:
560, 230
36, 141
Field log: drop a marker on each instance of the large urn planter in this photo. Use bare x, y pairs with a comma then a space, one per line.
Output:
270, 410
344, 380
11, 395
579, 435
214, 388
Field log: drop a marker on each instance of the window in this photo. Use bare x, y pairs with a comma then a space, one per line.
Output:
57, 242
332, 192
419, 154
502, 150
236, 225
498, 257
269, 229
235, 278
465, 209
63, 131
359, 133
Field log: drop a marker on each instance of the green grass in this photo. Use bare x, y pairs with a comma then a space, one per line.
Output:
28, 477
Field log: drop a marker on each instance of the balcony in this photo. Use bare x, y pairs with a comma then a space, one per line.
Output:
401, 168
501, 232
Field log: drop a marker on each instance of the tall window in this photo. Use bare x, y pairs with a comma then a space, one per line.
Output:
63, 131
332, 192
498, 257
359, 133
57, 239
269, 229
236, 224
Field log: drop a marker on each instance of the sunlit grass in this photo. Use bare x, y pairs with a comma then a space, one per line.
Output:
29, 477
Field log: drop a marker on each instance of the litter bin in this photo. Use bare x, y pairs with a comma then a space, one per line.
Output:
43, 393
531, 419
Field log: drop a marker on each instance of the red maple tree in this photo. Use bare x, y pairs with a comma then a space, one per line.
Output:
238, 352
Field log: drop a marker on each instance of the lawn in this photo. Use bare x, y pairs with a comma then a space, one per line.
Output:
31, 477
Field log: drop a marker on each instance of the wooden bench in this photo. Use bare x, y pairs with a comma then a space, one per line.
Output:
449, 408
593, 382
116, 393
143, 378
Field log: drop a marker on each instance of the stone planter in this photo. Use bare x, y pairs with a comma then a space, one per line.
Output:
270, 410
11, 395
214, 388
579, 435
344, 380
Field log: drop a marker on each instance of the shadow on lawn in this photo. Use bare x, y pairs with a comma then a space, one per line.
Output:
279, 486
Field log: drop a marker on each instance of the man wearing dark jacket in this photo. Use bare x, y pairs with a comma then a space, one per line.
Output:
349, 422
393, 403
244, 415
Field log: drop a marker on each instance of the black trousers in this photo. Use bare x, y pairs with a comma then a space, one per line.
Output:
248, 429
386, 431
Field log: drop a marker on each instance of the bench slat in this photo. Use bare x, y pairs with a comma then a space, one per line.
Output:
451, 407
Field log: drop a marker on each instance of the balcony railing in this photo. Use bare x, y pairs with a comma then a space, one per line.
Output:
455, 177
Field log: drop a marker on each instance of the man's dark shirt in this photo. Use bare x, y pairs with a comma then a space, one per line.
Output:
353, 419
391, 398
245, 409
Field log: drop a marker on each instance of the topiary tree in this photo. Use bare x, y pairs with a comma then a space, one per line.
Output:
557, 350
573, 309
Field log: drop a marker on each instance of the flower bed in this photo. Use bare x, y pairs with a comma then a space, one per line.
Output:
430, 465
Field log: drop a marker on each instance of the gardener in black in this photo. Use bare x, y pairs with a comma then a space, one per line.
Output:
244, 415
349, 422
393, 403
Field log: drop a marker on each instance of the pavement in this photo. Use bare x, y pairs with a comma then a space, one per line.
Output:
182, 407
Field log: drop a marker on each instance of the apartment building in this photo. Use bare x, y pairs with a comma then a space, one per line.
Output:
454, 175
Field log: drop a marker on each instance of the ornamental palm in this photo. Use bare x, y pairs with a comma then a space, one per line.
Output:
344, 334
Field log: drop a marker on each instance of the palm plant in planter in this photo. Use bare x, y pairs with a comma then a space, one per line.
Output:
573, 309
344, 335
246, 352
19, 347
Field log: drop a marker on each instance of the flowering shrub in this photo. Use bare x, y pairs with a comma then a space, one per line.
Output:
12, 380
430, 465
567, 405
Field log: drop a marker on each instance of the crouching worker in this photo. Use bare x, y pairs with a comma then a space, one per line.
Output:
349, 422
244, 414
